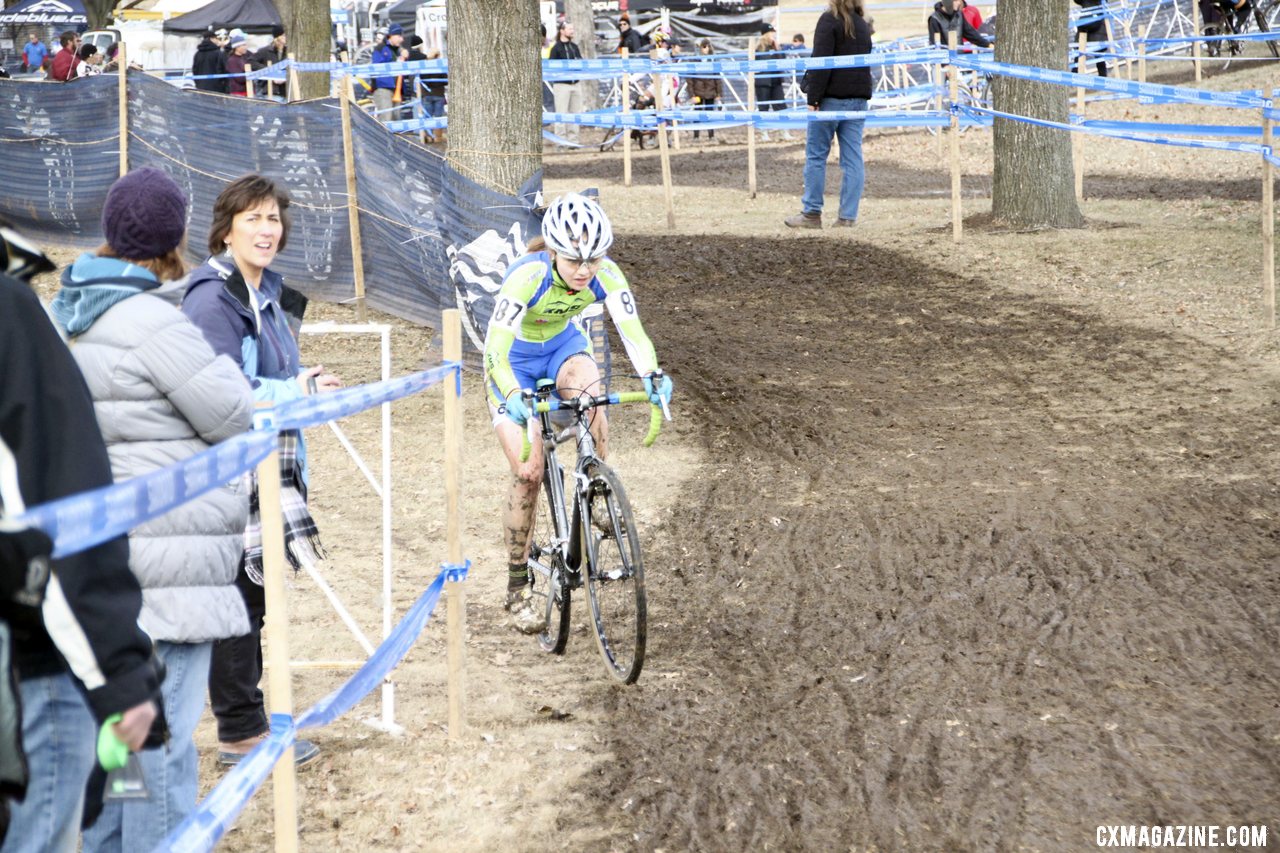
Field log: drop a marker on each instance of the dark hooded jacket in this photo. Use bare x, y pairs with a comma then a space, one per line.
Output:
210, 59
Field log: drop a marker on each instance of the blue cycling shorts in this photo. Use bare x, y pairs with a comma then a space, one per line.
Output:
533, 361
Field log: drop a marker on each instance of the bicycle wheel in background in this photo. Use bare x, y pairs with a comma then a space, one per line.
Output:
1261, 16
547, 572
1271, 11
615, 576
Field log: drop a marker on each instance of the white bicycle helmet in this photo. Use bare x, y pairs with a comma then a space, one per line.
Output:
576, 227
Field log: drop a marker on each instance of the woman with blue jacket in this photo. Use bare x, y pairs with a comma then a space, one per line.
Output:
242, 307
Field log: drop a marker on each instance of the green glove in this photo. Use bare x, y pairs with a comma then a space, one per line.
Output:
113, 753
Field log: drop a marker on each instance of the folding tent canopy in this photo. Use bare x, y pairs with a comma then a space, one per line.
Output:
253, 16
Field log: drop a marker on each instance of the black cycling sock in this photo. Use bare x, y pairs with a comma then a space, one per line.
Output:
517, 576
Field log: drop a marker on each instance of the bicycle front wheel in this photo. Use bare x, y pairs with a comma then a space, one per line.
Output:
615, 575
1260, 15
549, 576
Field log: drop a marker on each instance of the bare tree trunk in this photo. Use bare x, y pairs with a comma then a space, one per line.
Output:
307, 27
98, 12
1033, 183
495, 102
578, 13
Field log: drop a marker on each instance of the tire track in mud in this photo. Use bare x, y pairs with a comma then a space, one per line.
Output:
971, 570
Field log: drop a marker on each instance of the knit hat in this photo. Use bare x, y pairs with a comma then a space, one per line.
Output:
145, 215
277, 31
395, 30
236, 41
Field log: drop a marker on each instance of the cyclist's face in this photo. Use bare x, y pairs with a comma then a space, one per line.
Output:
577, 274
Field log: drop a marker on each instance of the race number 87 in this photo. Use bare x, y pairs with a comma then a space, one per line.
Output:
507, 313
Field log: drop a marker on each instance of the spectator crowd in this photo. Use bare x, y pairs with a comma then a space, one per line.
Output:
137, 364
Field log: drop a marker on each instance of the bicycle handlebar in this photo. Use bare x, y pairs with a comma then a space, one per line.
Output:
582, 404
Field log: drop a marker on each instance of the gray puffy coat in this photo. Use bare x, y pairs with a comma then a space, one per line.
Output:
161, 395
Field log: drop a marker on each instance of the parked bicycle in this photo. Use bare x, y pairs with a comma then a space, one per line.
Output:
597, 543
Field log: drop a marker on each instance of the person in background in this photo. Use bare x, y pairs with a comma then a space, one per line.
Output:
384, 87
948, 17
706, 91
567, 93
769, 88
243, 308
841, 31
797, 43
972, 16
435, 91
210, 59
237, 63
1096, 29
90, 64
161, 395
409, 85
63, 67
34, 54
68, 626
630, 38
272, 53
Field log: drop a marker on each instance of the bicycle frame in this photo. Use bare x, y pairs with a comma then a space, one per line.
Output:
568, 533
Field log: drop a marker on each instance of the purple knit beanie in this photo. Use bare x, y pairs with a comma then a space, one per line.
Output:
145, 215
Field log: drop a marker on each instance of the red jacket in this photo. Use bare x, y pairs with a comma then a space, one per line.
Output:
972, 15
64, 65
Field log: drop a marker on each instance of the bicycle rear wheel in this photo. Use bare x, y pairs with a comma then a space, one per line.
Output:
615, 576
549, 576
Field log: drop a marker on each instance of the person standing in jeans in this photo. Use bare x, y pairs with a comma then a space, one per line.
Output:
567, 93
842, 31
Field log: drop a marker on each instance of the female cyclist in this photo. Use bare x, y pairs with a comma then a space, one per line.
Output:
534, 334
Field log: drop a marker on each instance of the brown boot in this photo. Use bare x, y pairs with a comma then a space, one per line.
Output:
804, 220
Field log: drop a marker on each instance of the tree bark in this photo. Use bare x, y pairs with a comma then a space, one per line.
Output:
495, 98
307, 28
578, 13
98, 12
1033, 182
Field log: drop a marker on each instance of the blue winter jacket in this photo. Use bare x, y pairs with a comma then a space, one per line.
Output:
384, 53
218, 301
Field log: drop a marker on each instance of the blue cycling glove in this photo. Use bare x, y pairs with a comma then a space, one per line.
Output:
517, 408
660, 394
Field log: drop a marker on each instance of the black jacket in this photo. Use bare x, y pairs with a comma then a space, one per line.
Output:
261, 58
830, 39
633, 41
940, 23
565, 50
48, 424
210, 59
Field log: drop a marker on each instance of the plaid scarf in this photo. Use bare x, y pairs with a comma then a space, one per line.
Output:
301, 538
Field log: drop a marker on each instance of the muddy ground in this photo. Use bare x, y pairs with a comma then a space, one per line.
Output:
975, 570
949, 547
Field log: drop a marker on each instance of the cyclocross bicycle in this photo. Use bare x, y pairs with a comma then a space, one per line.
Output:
596, 544
1232, 21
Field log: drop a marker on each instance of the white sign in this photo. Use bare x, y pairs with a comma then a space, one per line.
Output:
434, 15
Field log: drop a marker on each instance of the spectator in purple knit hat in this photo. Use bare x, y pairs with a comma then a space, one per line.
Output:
161, 395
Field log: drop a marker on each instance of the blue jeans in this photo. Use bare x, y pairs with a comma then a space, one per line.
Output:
60, 739
432, 107
818, 146
170, 772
